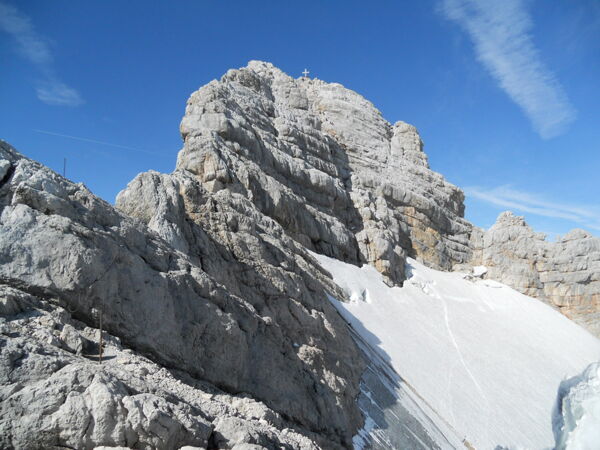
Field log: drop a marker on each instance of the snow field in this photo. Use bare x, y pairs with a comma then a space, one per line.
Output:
486, 358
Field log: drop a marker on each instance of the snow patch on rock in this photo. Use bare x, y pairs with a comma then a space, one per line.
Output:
479, 271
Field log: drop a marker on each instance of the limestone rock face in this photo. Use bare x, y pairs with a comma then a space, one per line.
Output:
565, 274
244, 309
52, 397
321, 161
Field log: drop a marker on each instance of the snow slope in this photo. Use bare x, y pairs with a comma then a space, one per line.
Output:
486, 358
396, 417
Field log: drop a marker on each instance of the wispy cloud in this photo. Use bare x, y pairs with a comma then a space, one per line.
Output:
587, 216
36, 50
55, 92
94, 141
500, 31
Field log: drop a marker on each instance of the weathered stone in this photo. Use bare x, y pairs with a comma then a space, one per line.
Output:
4, 168
50, 398
565, 273
72, 340
321, 161
229, 313
206, 271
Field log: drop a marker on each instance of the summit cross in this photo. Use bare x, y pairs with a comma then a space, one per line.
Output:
305, 73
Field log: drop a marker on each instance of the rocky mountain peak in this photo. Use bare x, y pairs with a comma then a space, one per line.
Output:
508, 218
322, 161
565, 273
576, 234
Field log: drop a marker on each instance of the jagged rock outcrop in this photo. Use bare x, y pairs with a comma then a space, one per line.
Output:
321, 161
269, 331
565, 273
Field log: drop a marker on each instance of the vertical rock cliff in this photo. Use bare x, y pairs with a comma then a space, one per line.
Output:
244, 308
321, 161
339, 179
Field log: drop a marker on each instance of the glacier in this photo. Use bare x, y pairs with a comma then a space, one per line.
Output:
485, 359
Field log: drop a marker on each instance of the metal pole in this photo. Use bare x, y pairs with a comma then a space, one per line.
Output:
100, 350
65, 167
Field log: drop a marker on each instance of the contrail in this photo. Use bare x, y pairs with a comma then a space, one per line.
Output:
93, 141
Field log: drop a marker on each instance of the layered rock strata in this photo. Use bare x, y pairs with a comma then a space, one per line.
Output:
322, 162
244, 309
340, 180
565, 273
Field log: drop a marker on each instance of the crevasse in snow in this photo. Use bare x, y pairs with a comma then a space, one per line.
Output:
577, 415
487, 360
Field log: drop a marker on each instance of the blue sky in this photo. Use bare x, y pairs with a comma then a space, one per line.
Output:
505, 94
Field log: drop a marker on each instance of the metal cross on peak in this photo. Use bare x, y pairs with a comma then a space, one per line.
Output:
305, 73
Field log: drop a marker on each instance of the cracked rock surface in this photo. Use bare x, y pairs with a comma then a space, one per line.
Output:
244, 309
54, 397
565, 273
322, 162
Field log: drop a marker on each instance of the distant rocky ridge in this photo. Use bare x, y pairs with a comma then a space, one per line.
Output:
205, 272
564, 274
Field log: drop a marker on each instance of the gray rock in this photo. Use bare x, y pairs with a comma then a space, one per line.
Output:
205, 271
51, 398
4, 168
72, 340
104, 447
321, 161
565, 273
229, 313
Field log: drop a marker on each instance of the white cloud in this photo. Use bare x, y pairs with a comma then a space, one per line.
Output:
500, 31
57, 93
587, 216
34, 48
30, 45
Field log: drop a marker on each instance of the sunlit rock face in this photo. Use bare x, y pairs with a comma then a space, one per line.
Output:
208, 286
55, 393
339, 179
321, 161
565, 273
